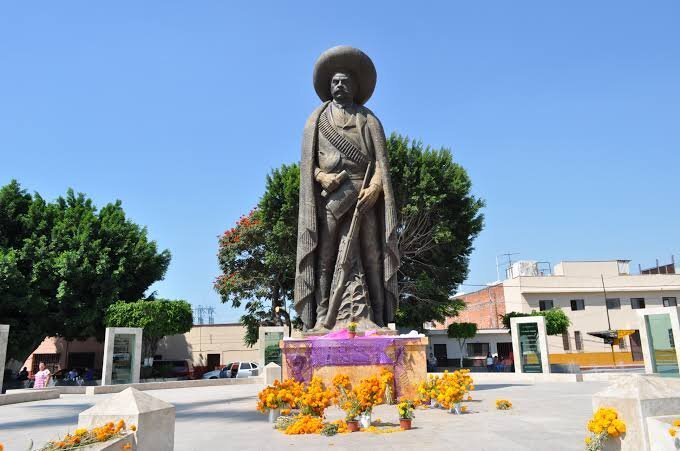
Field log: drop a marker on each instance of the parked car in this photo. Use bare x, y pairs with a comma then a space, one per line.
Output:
173, 368
234, 369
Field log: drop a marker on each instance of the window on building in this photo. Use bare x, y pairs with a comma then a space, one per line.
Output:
440, 353
614, 304
477, 349
565, 340
637, 303
578, 340
578, 304
545, 305
51, 362
670, 302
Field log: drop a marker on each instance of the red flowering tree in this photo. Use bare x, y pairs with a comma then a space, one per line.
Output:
257, 255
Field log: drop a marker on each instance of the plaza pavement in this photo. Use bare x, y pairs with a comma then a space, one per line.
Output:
549, 416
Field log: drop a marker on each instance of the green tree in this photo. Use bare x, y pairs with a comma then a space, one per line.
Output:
63, 263
462, 332
438, 220
158, 318
257, 255
556, 321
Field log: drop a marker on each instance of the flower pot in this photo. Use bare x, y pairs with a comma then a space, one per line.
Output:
405, 424
352, 334
365, 419
274, 414
353, 426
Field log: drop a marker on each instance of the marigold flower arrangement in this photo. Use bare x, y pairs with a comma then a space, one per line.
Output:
453, 387
503, 404
283, 393
671, 431
370, 393
387, 379
428, 389
605, 423
316, 398
352, 327
82, 437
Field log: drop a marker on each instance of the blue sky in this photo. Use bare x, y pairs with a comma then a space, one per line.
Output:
565, 114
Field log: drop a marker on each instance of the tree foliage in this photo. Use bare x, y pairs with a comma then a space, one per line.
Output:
63, 263
462, 332
556, 321
257, 256
158, 318
438, 220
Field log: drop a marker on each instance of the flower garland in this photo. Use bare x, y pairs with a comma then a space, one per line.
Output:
82, 437
605, 423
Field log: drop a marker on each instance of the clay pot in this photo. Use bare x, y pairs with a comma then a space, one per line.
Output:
353, 426
405, 424
352, 334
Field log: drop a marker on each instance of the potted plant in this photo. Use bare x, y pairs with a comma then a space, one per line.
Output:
406, 415
352, 407
352, 329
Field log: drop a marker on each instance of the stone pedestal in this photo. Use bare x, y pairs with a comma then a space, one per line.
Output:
272, 372
4, 338
636, 398
155, 419
268, 342
658, 436
122, 355
530, 344
358, 358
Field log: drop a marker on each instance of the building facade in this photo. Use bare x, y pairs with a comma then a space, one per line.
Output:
595, 295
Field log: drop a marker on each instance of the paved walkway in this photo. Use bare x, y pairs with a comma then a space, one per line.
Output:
545, 417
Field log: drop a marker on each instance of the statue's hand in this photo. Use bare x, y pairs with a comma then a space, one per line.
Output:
368, 197
327, 181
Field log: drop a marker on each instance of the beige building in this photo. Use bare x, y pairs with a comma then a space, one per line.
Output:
209, 345
577, 288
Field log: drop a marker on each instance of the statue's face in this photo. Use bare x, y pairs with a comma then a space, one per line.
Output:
342, 87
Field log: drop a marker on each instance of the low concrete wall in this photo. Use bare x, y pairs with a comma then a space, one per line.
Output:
28, 395
538, 378
96, 390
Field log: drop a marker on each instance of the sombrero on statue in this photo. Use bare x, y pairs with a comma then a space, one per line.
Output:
344, 58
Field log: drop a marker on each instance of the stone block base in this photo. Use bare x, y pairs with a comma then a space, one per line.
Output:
357, 358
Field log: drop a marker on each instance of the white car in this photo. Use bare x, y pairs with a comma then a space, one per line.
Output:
239, 369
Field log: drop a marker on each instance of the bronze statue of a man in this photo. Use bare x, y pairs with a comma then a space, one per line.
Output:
347, 256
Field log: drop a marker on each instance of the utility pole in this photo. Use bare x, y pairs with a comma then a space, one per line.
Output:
508, 255
609, 323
